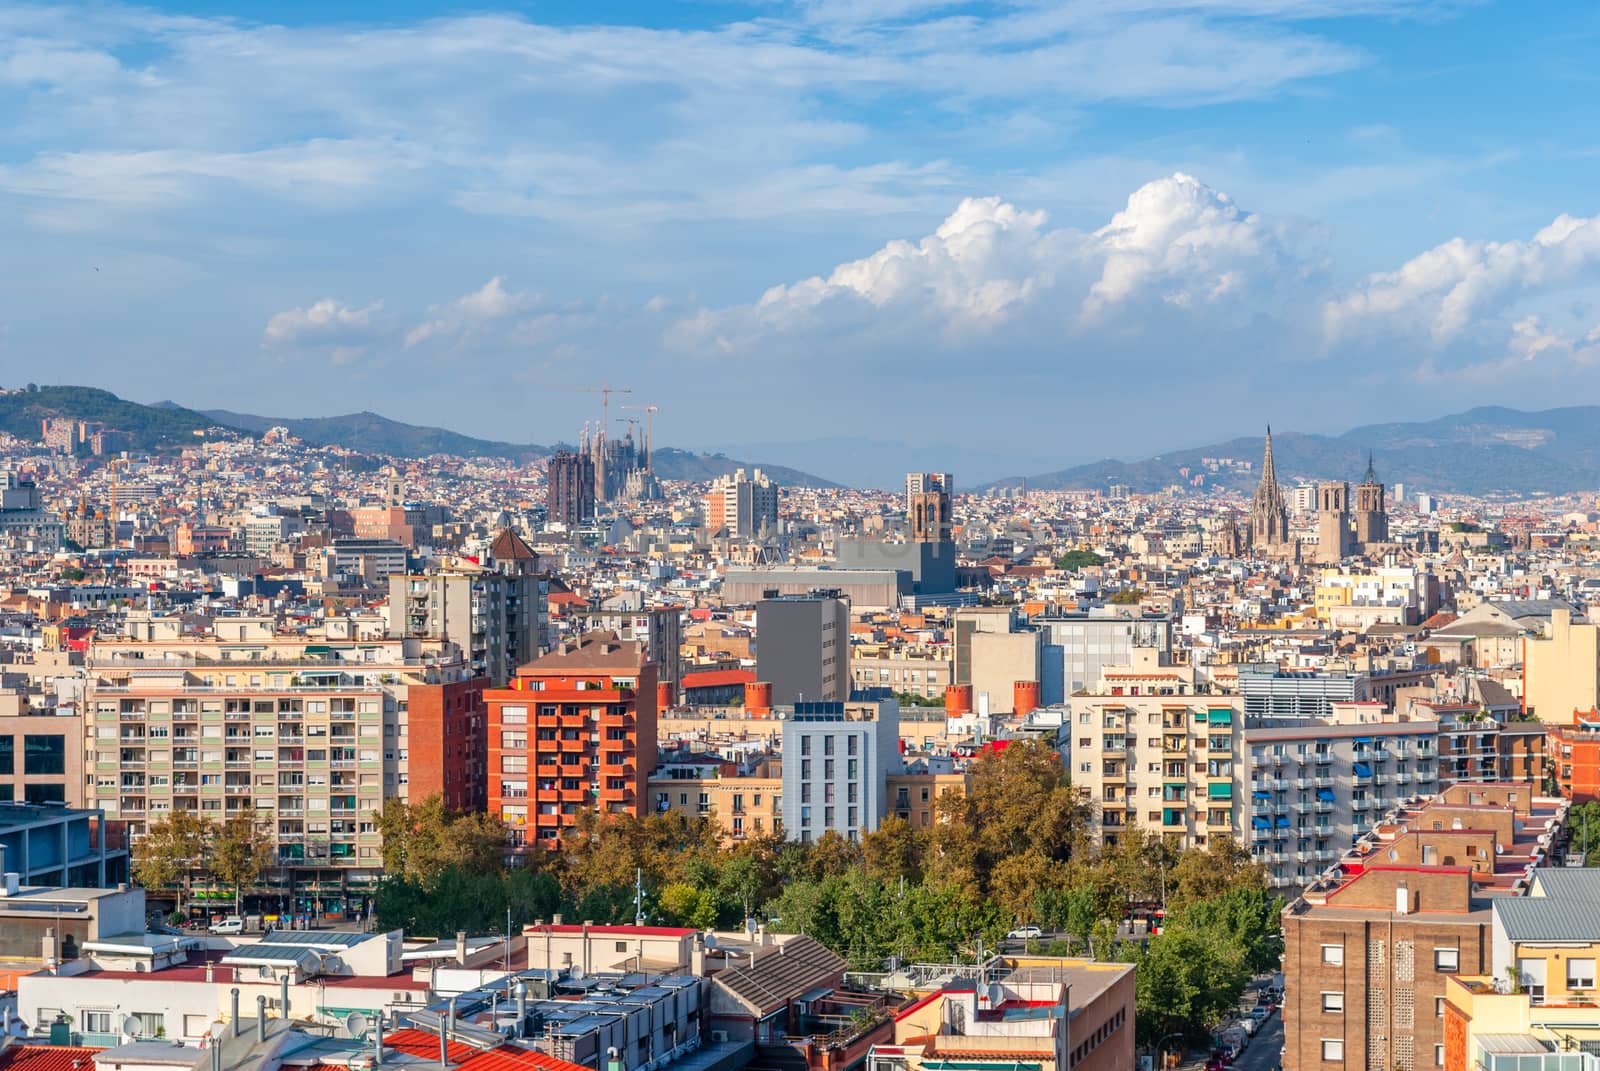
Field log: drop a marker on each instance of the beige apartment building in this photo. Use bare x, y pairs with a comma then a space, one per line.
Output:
922, 672
752, 805
1151, 753
742, 806
308, 730
1561, 669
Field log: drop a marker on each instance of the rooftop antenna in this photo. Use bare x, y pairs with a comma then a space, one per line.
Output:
638, 896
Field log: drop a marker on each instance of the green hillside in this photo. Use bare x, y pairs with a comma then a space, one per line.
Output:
149, 427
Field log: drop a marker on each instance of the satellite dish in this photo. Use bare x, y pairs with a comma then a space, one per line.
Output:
356, 1023
131, 1025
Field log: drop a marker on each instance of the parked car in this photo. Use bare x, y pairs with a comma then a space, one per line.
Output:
1248, 1025
1025, 933
231, 924
1260, 1013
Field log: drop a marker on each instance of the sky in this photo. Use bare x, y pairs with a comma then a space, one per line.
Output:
1041, 231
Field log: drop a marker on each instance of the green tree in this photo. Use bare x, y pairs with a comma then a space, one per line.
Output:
833, 856
170, 851
1074, 560
1019, 802
1204, 873
1249, 918
238, 850
1184, 982
424, 839
893, 851
1128, 597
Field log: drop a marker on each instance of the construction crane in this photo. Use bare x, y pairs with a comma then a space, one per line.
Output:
650, 412
602, 490
605, 391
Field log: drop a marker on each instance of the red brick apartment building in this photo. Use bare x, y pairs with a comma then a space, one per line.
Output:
574, 731
1575, 757
448, 744
1369, 946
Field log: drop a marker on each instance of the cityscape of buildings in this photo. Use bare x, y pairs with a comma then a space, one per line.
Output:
1391, 706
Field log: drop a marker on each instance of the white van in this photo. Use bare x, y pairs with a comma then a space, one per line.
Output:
231, 924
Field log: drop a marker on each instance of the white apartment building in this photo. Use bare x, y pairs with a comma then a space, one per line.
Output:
836, 761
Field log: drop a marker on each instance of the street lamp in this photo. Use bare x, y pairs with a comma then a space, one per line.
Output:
1161, 1052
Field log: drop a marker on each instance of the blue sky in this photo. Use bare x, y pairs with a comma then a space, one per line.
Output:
900, 220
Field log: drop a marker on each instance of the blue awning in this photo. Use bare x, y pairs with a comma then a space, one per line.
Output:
1363, 740
1283, 821
1260, 822
1261, 794
1363, 770
1325, 795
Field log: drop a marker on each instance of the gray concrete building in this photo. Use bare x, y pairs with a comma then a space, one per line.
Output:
495, 618
803, 647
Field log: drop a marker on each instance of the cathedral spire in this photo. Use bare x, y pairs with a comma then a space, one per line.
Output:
1269, 474
1372, 475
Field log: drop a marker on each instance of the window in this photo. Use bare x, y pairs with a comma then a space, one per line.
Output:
1580, 974
1333, 954
622, 946
1447, 960
1333, 1002
150, 1024
1332, 1049
1438, 1056
44, 754
1438, 1007
97, 1022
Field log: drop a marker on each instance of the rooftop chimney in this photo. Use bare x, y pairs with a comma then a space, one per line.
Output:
461, 947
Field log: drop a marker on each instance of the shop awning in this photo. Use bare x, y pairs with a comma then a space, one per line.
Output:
1325, 795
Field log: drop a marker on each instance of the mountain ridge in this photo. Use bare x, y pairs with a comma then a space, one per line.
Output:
167, 425
1490, 450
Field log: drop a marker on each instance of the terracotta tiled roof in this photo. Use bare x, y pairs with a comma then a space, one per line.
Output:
508, 546
425, 1045
47, 1058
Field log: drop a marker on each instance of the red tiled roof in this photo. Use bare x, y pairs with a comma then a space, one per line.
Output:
46, 1058
421, 1043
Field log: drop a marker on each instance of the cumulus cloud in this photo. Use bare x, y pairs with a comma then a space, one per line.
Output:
1456, 285
1177, 244
327, 320
1189, 241
470, 312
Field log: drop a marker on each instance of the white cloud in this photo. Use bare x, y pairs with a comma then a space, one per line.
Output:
991, 266
1455, 286
1189, 240
326, 320
738, 121
470, 312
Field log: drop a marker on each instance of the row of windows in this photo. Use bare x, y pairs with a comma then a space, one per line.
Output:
1094, 1040
1333, 1052
1446, 958
41, 754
